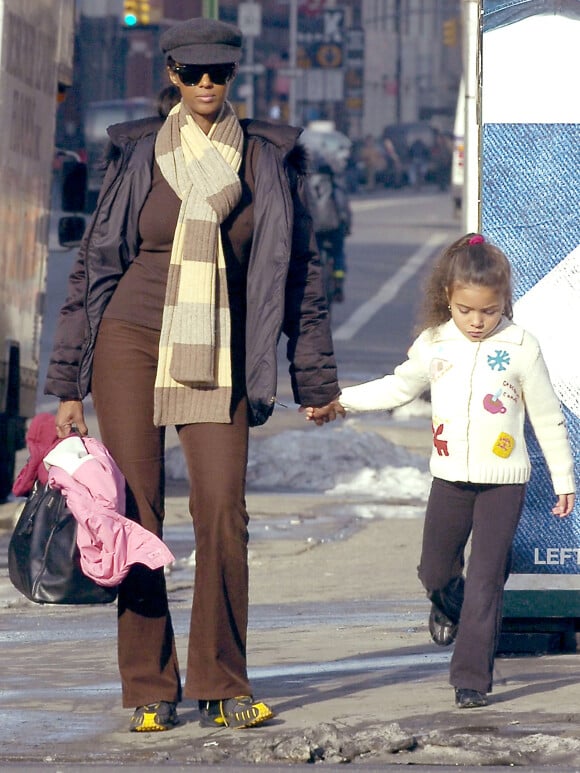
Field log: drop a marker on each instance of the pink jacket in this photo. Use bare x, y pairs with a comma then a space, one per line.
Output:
94, 489
40, 438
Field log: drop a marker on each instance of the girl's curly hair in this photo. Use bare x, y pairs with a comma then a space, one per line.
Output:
469, 260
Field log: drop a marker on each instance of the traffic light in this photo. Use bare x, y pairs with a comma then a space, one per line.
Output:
450, 33
136, 12
144, 12
130, 9
210, 9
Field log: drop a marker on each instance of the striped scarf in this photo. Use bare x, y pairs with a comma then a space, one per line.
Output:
194, 377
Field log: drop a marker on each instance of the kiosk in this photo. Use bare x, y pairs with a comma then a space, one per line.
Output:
527, 201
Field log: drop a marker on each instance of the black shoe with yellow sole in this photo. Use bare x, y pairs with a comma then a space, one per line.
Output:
239, 712
154, 717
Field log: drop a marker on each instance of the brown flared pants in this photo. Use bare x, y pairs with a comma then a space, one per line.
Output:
490, 514
124, 370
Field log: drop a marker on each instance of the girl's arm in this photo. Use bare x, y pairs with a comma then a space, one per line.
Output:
407, 382
549, 424
565, 505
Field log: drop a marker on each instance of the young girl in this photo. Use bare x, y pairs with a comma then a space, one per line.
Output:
485, 373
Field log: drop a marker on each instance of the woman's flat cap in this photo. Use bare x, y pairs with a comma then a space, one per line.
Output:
202, 41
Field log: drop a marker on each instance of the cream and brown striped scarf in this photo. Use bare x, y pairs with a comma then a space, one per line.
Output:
194, 379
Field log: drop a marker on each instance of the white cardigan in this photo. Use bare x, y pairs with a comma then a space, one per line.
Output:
480, 393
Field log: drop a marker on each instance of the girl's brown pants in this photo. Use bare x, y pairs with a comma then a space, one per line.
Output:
124, 370
490, 515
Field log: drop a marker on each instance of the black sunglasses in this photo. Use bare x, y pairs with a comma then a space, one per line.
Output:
191, 74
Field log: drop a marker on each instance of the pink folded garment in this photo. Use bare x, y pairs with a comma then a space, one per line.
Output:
94, 489
40, 438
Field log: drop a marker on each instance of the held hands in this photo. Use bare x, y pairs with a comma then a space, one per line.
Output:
70, 416
565, 505
324, 414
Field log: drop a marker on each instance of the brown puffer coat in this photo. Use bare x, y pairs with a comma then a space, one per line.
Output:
284, 287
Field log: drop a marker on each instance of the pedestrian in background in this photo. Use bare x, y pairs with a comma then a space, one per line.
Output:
329, 206
485, 374
441, 155
419, 156
373, 161
395, 162
199, 254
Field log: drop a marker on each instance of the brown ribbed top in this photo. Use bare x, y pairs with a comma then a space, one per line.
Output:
140, 294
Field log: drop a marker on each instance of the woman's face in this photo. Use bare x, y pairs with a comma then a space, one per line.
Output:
203, 88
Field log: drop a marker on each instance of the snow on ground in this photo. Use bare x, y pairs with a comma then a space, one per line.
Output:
336, 459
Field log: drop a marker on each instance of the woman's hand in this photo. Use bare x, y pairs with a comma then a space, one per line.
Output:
324, 414
70, 415
565, 505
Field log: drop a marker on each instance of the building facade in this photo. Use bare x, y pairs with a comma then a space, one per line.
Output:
362, 64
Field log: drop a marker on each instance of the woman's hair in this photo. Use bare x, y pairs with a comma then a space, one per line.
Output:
166, 99
471, 260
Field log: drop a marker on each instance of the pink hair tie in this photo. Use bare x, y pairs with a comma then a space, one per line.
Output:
477, 239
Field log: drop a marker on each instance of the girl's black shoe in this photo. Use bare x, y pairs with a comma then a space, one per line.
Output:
469, 699
442, 629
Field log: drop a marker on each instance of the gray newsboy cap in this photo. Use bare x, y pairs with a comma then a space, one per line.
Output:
202, 41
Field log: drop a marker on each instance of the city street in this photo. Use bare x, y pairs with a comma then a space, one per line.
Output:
338, 639
395, 237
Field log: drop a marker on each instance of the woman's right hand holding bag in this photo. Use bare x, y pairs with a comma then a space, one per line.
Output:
70, 416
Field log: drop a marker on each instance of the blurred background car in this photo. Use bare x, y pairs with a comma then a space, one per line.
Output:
389, 174
99, 115
404, 136
321, 138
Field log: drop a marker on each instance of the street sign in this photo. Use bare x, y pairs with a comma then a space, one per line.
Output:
312, 7
334, 25
250, 19
329, 55
321, 40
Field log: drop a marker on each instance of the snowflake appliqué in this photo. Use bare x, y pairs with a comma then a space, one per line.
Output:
498, 361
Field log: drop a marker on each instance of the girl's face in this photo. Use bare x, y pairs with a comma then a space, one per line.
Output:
205, 98
475, 309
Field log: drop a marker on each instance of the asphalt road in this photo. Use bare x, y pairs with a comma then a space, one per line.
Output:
395, 239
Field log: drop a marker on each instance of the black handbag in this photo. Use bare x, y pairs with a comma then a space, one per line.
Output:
43, 556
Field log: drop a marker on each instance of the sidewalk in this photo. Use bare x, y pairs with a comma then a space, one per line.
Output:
338, 643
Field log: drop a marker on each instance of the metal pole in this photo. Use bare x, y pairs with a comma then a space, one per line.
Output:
399, 58
210, 9
250, 76
293, 44
472, 74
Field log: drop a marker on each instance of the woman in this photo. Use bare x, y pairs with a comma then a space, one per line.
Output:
199, 254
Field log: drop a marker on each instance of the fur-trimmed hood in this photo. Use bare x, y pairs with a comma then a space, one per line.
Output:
283, 137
